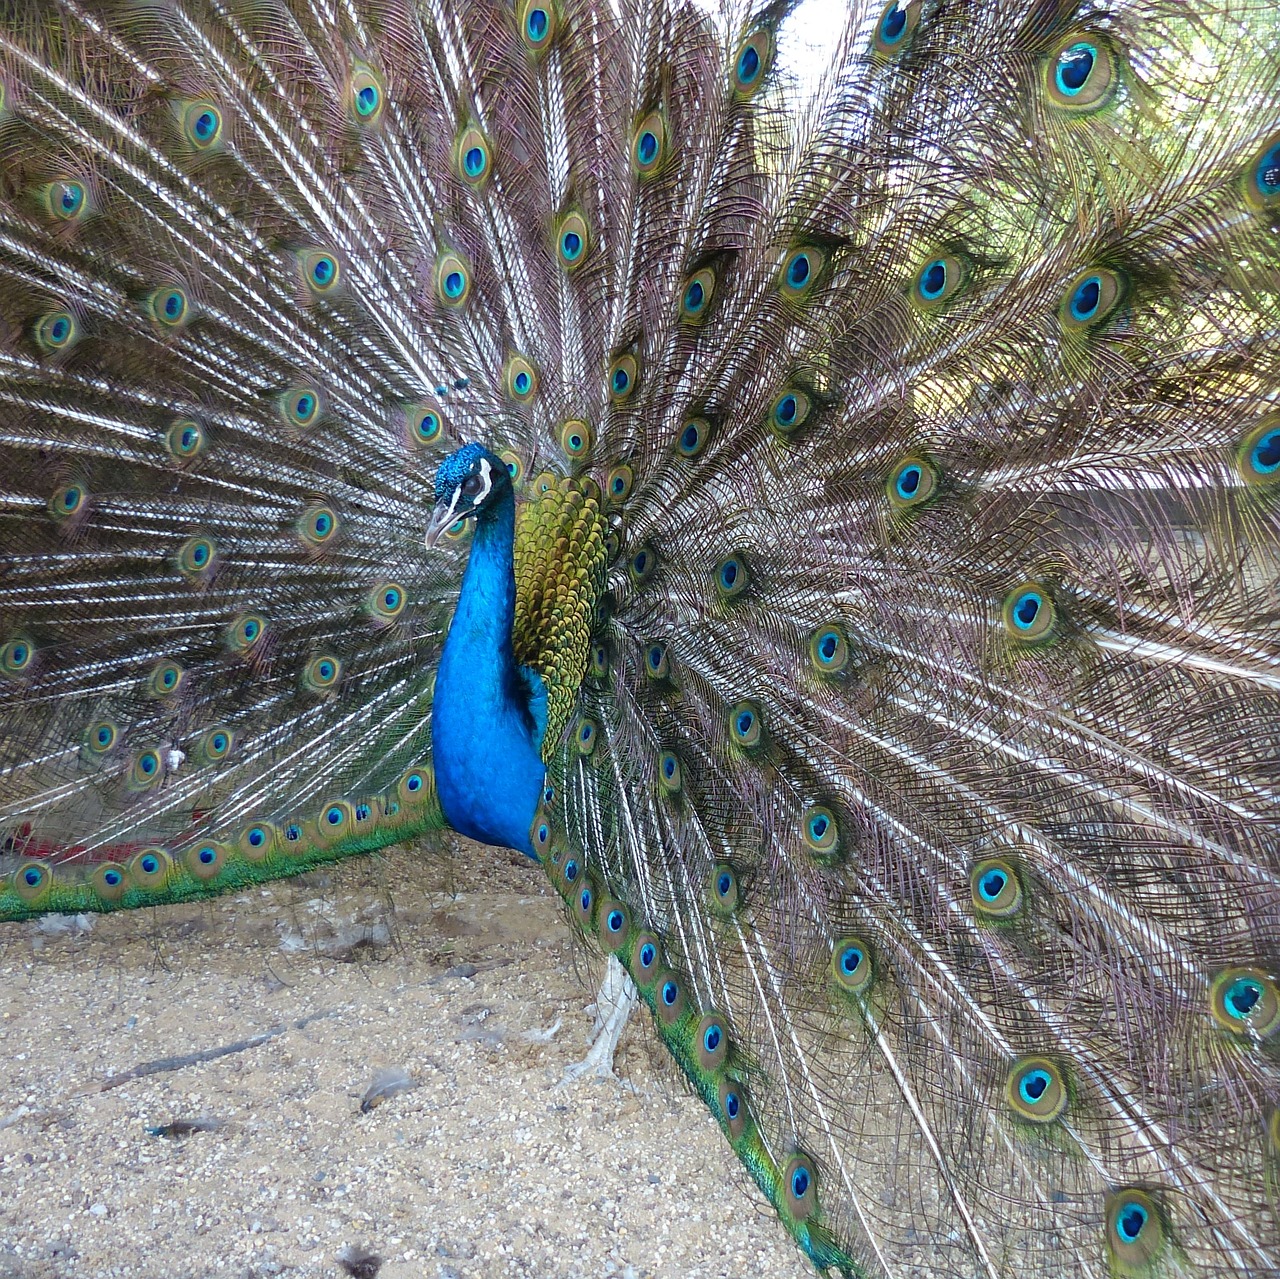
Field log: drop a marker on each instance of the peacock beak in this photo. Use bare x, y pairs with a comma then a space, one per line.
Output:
442, 517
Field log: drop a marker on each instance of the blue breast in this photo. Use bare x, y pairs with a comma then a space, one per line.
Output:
486, 734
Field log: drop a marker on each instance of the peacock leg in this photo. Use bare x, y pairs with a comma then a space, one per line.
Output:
615, 999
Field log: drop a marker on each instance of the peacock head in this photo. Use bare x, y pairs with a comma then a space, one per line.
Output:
468, 481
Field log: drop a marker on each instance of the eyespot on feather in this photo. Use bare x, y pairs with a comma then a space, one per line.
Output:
995, 888
56, 332
733, 1108
149, 869
745, 726
726, 894
613, 924
1029, 613
539, 21
1036, 1091
317, 526
938, 281
624, 377
618, 484
649, 145
301, 406
800, 273
65, 200
576, 439
573, 241
165, 679
696, 298
1245, 1001
829, 649
366, 96
695, 432
1262, 176
17, 656
800, 1188
731, 577
790, 411
385, 602
185, 440
453, 280
851, 965
1091, 299
1081, 74
1135, 1230
752, 62
896, 25
520, 379
473, 157
1258, 455
320, 271
202, 124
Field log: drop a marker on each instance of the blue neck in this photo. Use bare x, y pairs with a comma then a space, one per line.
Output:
484, 737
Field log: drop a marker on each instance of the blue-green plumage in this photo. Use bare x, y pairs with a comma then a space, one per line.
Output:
488, 713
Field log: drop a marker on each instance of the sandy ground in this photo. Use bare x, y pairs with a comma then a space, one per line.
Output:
483, 1168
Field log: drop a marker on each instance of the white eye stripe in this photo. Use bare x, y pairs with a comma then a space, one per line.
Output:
486, 475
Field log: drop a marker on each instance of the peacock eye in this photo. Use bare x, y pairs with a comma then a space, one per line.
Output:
472, 486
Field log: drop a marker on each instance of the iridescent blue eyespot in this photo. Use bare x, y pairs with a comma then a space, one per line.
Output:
257, 836
205, 126
992, 884
748, 66
1033, 1084
1264, 457
670, 993
1025, 610
933, 280
293, 832
1241, 996
571, 870
334, 816
323, 271
584, 900
112, 877
1074, 67
1086, 298
800, 1183
614, 921
536, 24
1131, 1221
454, 284
474, 161
798, 271
647, 147
367, 99
711, 1038
571, 245
1266, 173
894, 24
648, 953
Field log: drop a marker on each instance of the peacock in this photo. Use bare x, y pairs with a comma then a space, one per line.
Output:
832, 526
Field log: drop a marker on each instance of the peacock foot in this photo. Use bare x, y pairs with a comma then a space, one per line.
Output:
615, 999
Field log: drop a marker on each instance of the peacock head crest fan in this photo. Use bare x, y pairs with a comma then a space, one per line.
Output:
468, 481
